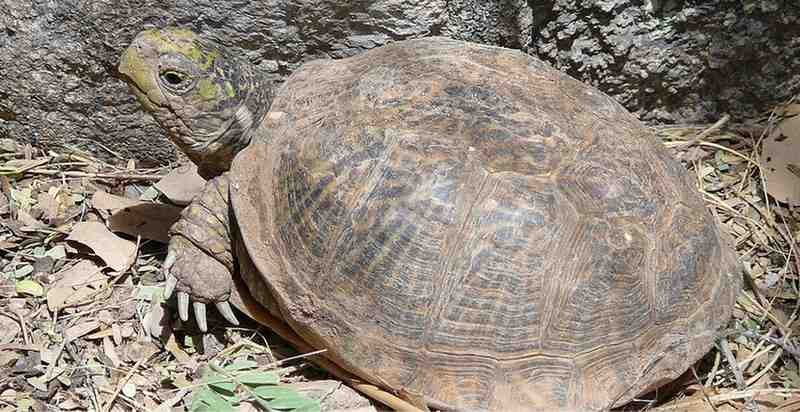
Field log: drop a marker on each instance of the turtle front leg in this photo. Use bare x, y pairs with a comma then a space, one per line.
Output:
200, 263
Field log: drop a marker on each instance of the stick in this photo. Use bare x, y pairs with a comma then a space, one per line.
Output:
124, 381
737, 373
118, 176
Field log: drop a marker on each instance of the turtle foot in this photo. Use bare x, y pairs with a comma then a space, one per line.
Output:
199, 279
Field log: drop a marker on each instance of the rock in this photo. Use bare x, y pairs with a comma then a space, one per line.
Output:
677, 60
667, 60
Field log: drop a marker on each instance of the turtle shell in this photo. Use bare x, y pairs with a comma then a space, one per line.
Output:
466, 225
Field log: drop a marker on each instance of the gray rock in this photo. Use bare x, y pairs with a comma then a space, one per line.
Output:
676, 60
668, 60
59, 85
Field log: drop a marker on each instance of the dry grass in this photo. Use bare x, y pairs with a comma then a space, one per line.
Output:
96, 353
760, 370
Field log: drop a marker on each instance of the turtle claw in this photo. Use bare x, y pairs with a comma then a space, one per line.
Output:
169, 260
198, 279
224, 308
172, 281
183, 306
200, 316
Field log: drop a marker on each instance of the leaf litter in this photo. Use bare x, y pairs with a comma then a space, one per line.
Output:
84, 325
82, 241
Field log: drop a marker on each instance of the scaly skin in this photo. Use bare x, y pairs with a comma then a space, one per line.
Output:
208, 101
211, 106
200, 261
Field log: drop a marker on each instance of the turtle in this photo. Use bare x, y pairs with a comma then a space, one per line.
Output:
460, 225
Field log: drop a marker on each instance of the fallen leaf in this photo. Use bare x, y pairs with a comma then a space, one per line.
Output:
21, 271
118, 253
80, 329
148, 220
54, 202
103, 200
108, 349
29, 287
179, 353
116, 332
10, 328
72, 404
780, 158
136, 218
134, 351
8, 357
75, 285
181, 185
57, 252
38, 382
157, 322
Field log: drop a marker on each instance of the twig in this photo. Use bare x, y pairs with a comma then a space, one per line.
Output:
123, 382
705, 133
118, 176
788, 347
725, 348
703, 389
713, 373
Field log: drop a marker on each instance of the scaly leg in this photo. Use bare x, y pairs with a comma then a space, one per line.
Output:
200, 263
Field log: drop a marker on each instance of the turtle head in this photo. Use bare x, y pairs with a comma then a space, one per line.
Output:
208, 101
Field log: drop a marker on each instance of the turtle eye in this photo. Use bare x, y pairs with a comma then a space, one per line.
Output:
175, 80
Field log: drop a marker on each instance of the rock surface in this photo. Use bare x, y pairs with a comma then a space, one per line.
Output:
668, 60
676, 60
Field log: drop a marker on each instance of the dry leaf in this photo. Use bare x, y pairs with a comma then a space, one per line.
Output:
80, 329
136, 218
148, 220
134, 351
103, 200
181, 185
71, 405
75, 285
108, 349
116, 332
157, 321
118, 253
780, 158
10, 328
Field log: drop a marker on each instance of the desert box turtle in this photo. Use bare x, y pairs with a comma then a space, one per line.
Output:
459, 224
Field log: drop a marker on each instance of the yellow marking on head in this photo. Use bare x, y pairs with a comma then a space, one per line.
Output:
229, 89
207, 89
133, 65
183, 42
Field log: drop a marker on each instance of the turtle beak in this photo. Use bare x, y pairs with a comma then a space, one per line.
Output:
139, 74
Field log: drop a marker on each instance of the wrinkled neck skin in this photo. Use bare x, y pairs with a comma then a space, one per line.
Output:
213, 152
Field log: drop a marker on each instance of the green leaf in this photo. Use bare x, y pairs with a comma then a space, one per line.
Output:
241, 364
218, 382
272, 392
227, 387
314, 406
22, 271
29, 287
257, 378
207, 400
295, 401
57, 252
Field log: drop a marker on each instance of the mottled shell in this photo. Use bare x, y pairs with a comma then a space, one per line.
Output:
466, 224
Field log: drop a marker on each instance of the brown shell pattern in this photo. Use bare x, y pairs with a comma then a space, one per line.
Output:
467, 224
